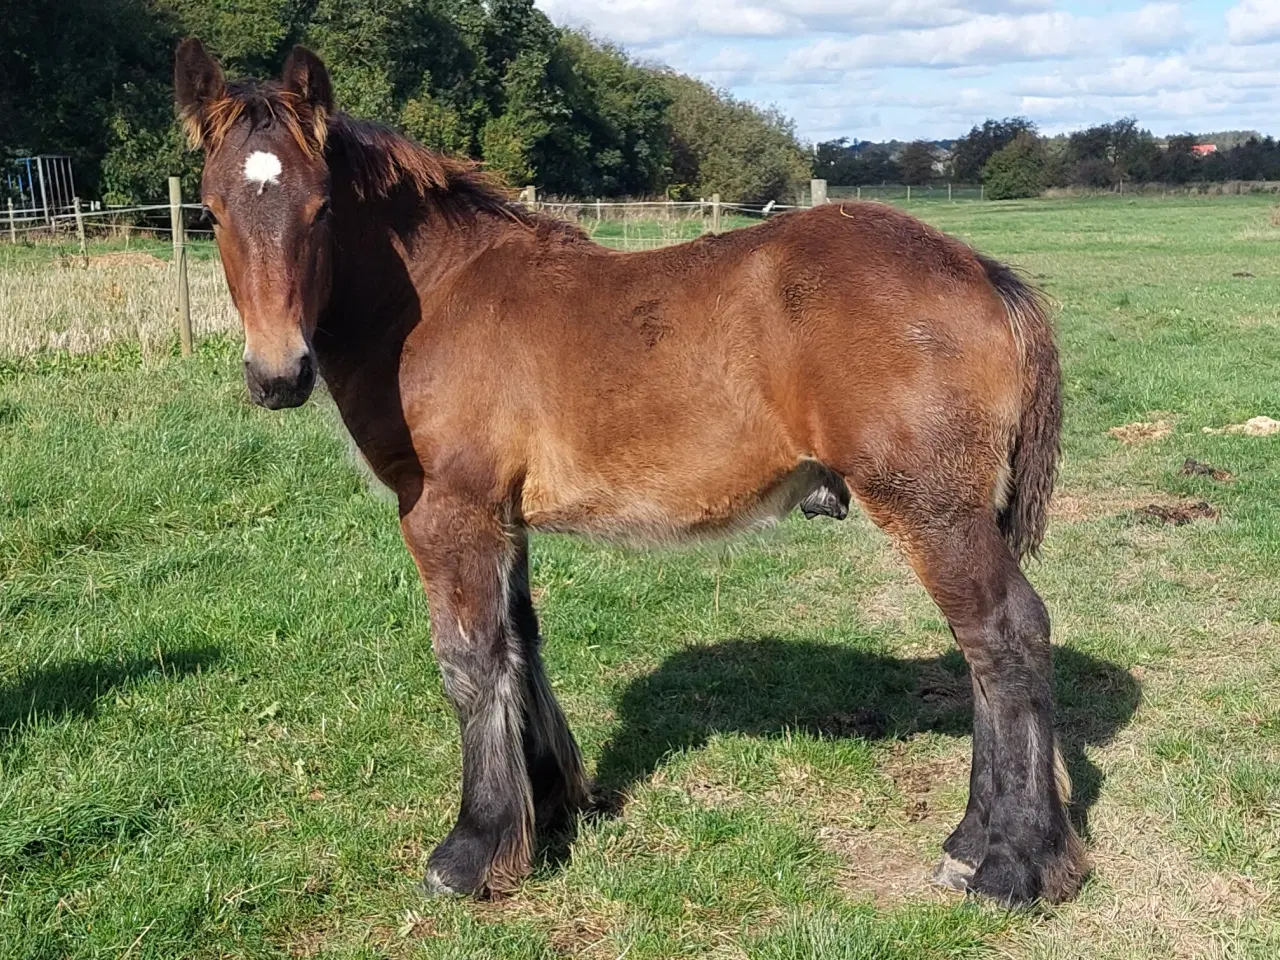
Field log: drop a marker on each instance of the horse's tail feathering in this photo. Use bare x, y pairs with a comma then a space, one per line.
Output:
1034, 454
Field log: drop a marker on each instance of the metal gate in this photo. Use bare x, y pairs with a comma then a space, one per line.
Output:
40, 188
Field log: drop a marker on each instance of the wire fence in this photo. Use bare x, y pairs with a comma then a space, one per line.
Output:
77, 280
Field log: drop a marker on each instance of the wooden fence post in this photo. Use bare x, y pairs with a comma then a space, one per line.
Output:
948, 191
715, 213
982, 192
84, 254
817, 192
908, 193
529, 197
180, 264
13, 227
859, 192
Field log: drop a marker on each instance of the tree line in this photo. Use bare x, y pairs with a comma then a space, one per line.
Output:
1013, 159
492, 79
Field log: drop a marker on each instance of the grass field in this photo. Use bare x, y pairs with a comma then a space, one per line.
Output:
222, 733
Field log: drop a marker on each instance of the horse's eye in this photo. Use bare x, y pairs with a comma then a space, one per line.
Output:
207, 216
322, 211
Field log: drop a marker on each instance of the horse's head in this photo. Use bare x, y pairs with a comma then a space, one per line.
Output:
266, 187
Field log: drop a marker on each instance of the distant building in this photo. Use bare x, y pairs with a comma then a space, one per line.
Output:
1204, 149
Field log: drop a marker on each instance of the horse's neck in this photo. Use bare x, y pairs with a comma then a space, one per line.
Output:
383, 271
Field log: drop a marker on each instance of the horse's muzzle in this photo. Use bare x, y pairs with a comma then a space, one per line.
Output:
274, 390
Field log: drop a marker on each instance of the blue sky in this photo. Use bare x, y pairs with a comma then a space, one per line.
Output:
884, 69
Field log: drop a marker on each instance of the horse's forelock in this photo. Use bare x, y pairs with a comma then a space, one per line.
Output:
261, 106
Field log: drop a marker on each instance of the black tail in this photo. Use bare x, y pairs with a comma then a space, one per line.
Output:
1034, 457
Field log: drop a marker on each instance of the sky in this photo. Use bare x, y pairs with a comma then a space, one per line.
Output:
908, 69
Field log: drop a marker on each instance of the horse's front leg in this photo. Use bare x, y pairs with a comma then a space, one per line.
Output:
467, 556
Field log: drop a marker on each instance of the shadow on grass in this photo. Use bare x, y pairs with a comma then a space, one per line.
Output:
766, 686
74, 687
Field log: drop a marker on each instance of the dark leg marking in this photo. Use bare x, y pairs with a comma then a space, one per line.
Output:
1015, 834
467, 557
551, 755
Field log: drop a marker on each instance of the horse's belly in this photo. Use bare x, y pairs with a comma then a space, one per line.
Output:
659, 512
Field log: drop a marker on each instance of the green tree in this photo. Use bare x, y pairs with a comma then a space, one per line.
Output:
494, 79
67, 90
615, 138
972, 151
722, 145
916, 162
1180, 163
532, 107
1017, 169
853, 164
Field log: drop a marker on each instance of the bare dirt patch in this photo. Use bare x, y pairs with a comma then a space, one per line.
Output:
410, 857
1142, 431
942, 688
1179, 514
579, 926
1076, 506
582, 936
1253, 427
882, 865
922, 781
309, 941
706, 792
401, 940
865, 722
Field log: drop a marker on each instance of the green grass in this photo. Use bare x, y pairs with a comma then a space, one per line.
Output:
222, 733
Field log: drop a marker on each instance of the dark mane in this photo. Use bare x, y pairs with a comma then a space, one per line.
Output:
381, 163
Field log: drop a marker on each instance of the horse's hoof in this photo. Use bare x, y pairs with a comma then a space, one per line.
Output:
952, 873
1005, 880
459, 866
434, 885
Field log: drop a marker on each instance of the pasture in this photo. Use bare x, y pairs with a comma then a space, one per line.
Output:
222, 732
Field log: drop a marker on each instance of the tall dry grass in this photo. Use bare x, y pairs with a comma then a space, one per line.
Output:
64, 304
51, 299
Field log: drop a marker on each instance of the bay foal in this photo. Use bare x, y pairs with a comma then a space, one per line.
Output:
502, 374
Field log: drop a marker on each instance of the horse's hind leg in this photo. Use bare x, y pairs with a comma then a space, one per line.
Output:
485, 639
1015, 843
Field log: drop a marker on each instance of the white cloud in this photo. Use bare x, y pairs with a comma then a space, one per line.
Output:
979, 40
909, 68
1128, 76
1254, 21
653, 21
1186, 91
1155, 27
996, 39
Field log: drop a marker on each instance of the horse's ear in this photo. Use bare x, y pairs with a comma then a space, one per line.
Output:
305, 75
197, 84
